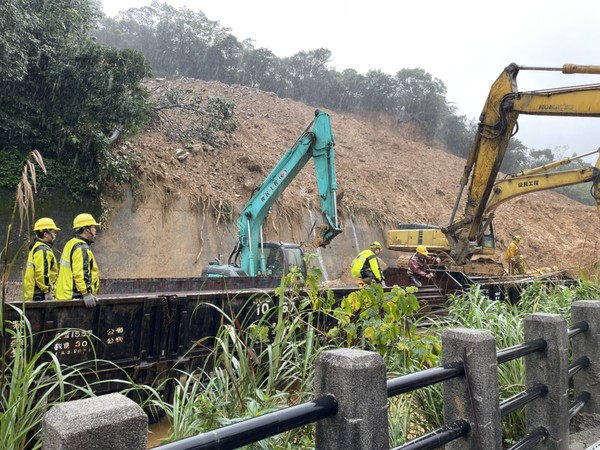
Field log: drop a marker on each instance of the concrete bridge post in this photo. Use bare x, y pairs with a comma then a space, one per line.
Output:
474, 396
588, 344
549, 367
107, 421
357, 379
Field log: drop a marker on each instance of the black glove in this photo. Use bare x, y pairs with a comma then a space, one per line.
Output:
90, 300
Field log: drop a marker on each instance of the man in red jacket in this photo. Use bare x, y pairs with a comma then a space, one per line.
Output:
418, 266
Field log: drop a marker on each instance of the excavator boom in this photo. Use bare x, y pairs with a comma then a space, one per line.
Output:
315, 143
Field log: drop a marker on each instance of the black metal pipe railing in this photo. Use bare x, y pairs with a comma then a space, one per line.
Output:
579, 403
427, 377
517, 351
522, 398
583, 362
258, 428
438, 437
577, 328
532, 439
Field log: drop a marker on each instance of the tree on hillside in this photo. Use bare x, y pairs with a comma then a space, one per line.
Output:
18, 26
258, 67
180, 42
458, 134
379, 92
516, 157
423, 97
349, 91
74, 94
305, 74
175, 41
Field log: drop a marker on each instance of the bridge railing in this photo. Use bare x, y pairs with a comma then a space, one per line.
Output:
350, 410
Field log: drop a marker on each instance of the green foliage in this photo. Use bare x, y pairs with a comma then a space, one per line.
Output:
70, 97
117, 167
10, 168
374, 319
18, 27
73, 176
208, 120
32, 380
220, 118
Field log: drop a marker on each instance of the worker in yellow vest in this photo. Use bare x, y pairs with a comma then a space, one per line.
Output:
79, 277
514, 258
366, 265
41, 270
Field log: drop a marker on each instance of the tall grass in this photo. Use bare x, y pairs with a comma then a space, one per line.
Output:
258, 368
505, 322
252, 369
33, 381
24, 203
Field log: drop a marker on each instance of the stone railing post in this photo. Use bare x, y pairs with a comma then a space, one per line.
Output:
473, 397
108, 421
357, 380
549, 367
588, 344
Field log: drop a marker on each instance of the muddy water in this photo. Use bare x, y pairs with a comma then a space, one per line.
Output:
157, 432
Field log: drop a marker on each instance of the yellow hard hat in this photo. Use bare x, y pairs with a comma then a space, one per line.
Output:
45, 223
376, 245
84, 220
516, 237
422, 250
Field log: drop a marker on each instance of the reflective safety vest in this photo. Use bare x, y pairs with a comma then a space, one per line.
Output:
511, 252
364, 264
41, 272
79, 272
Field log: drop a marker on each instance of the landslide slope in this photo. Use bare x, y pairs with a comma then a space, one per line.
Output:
387, 173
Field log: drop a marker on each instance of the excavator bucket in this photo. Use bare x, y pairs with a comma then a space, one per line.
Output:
323, 235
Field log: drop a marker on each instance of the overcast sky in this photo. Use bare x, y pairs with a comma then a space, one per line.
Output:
464, 43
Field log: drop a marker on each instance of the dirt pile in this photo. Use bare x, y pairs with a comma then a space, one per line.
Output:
387, 173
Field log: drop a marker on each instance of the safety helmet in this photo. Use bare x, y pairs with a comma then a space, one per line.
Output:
422, 250
517, 238
84, 220
45, 223
376, 245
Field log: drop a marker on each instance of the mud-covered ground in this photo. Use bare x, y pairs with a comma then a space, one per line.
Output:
386, 173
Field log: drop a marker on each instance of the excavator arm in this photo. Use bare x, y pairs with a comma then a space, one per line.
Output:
498, 122
318, 144
472, 233
539, 179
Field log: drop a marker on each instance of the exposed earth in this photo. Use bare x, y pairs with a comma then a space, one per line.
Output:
386, 172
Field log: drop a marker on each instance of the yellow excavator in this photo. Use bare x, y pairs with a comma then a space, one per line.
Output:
472, 233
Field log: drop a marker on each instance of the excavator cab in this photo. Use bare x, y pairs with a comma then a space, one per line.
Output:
280, 259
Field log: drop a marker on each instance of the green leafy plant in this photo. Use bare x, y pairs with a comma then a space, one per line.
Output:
33, 379
207, 121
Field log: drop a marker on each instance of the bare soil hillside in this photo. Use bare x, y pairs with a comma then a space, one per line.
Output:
387, 173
